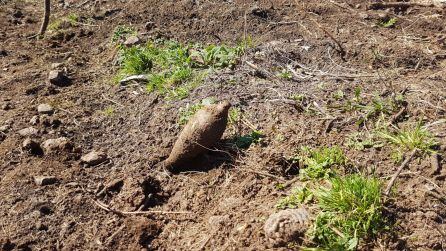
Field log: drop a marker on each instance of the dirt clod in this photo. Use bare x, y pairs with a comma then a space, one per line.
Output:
56, 145
58, 77
45, 180
45, 109
94, 158
286, 226
32, 146
29, 131
201, 133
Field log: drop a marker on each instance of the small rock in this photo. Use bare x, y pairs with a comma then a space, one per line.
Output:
132, 40
34, 120
4, 128
29, 131
94, 158
45, 180
286, 225
45, 210
7, 106
55, 145
57, 77
45, 109
32, 147
56, 65
40, 226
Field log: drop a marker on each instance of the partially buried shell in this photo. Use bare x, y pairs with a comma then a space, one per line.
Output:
202, 132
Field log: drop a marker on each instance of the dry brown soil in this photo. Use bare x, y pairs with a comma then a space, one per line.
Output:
229, 200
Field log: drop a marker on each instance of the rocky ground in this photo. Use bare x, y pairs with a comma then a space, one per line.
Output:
74, 146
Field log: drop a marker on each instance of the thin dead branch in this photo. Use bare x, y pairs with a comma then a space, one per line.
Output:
402, 166
398, 5
124, 213
46, 17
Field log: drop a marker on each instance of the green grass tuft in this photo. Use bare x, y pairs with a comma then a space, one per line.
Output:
351, 209
299, 195
172, 68
410, 138
319, 162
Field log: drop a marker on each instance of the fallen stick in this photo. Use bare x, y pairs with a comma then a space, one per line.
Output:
133, 77
46, 17
398, 5
395, 175
122, 213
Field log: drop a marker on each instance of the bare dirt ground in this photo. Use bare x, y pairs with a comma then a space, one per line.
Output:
338, 44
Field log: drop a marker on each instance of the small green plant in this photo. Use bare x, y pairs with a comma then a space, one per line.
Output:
109, 111
299, 195
247, 140
351, 209
410, 138
73, 19
234, 115
217, 56
285, 74
388, 23
338, 95
185, 113
121, 32
319, 162
169, 67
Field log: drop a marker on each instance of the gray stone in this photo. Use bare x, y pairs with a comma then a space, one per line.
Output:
57, 77
29, 131
132, 40
4, 128
94, 158
55, 145
34, 120
45, 180
45, 109
31, 146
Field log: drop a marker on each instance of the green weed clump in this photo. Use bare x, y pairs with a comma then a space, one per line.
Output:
299, 195
121, 32
408, 139
319, 162
173, 69
351, 210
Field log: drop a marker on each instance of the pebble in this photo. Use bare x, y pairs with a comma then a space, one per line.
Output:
7, 106
57, 77
29, 131
58, 144
45, 109
132, 40
4, 128
34, 120
45, 180
31, 146
94, 158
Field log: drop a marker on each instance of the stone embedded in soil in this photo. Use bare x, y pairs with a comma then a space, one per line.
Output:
29, 131
31, 146
4, 128
94, 158
200, 134
45, 109
45, 180
132, 40
286, 226
34, 120
57, 77
7, 106
55, 145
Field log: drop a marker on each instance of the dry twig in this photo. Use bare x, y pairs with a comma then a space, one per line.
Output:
398, 5
123, 213
395, 175
46, 17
